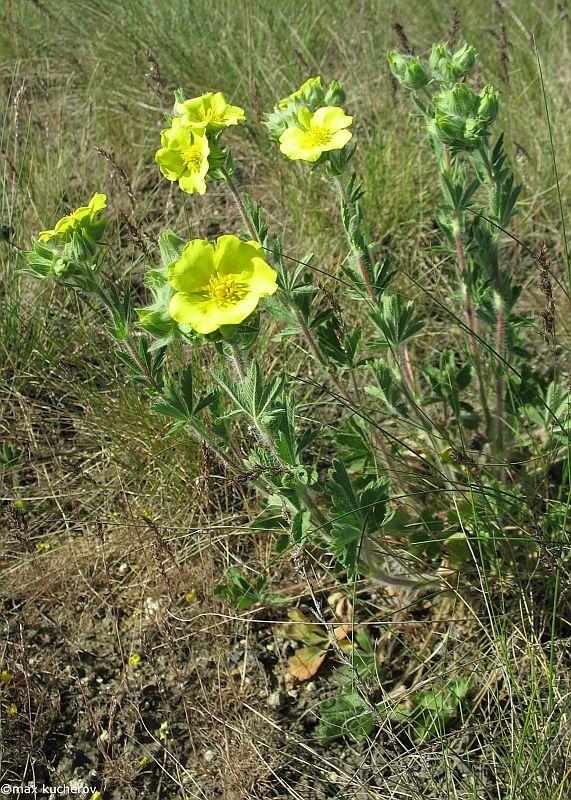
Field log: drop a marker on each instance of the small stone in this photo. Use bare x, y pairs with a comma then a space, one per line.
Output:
275, 699
209, 755
152, 606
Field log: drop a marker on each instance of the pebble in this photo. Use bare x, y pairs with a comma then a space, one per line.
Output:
275, 699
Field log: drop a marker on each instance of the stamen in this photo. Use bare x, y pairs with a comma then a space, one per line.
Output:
225, 290
192, 157
320, 135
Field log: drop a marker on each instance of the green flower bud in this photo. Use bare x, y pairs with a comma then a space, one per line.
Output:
408, 70
489, 105
448, 67
440, 58
278, 121
460, 101
458, 121
464, 59
449, 129
335, 95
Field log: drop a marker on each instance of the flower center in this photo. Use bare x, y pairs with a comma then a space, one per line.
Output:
192, 157
320, 135
225, 290
211, 115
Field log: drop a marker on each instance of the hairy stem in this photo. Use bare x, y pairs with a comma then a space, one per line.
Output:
470, 321
356, 251
239, 361
500, 314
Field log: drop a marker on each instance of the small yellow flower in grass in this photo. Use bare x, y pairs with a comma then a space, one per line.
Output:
190, 596
135, 659
324, 130
81, 220
5, 677
42, 547
219, 285
209, 112
184, 156
11, 710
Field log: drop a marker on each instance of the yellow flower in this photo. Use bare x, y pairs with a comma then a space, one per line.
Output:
135, 659
306, 89
184, 156
219, 285
80, 221
209, 112
11, 710
320, 132
5, 677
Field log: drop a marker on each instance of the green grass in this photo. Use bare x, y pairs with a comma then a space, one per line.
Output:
75, 76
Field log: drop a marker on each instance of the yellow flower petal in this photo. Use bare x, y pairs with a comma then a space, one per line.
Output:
234, 255
221, 285
263, 279
321, 132
296, 144
332, 117
209, 112
196, 311
193, 269
78, 220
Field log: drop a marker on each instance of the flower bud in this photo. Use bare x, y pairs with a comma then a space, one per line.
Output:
407, 70
309, 94
459, 101
489, 105
458, 122
335, 95
464, 59
448, 67
439, 59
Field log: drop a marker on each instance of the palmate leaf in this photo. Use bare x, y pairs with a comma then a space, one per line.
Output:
354, 513
259, 401
396, 319
339, 348
177, 394
289, 443
346, 715
170, 246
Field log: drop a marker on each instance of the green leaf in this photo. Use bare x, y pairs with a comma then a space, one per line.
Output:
186, 388
346, 715
170, 246
396, 319
259, 401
